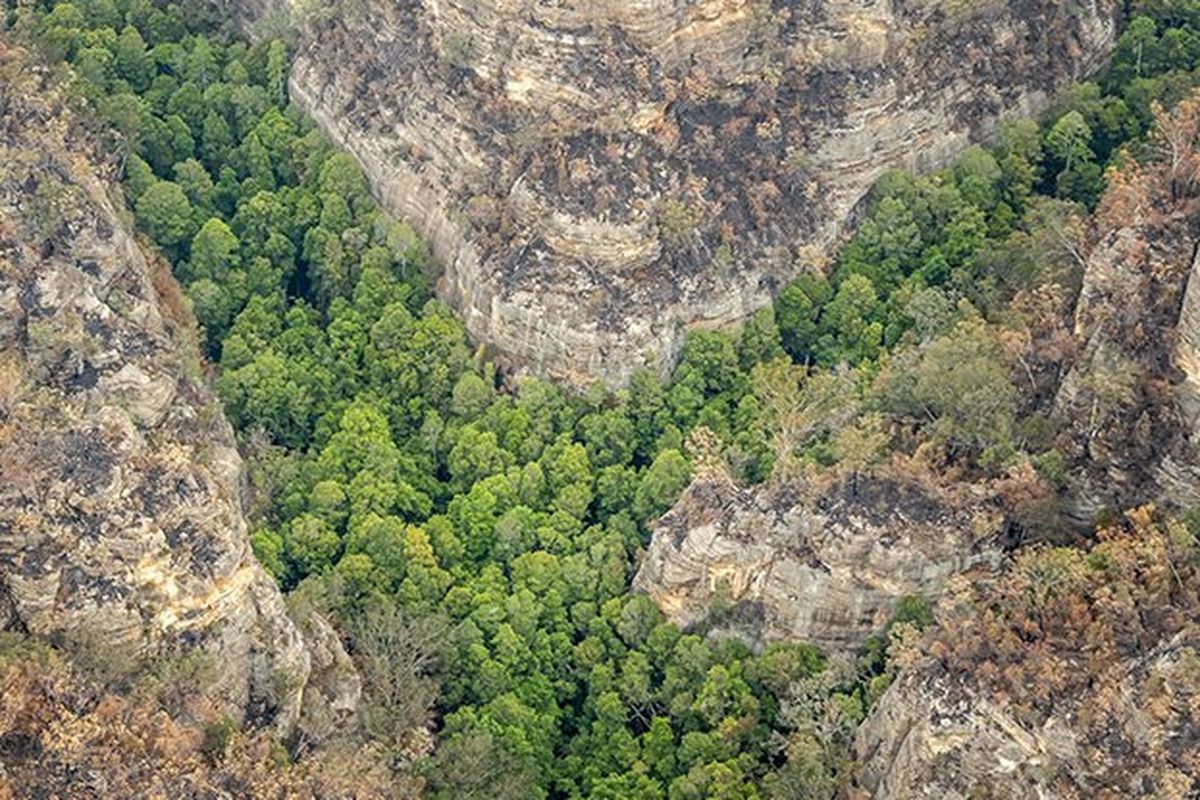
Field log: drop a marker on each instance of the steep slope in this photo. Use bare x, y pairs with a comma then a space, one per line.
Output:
598, 177
1073, 676
1131, 402
1077, 674
822, 566
63, 734
121, 524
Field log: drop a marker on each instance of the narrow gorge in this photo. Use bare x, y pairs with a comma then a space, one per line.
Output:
596, 400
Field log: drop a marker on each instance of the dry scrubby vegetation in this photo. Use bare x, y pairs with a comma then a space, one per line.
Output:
1061, 618
476, 538
69, 729
1105, 634
1104, 637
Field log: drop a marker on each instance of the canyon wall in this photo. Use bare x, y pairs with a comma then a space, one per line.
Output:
1076, 674
121, 525
1129, 407
597, 177
941, 735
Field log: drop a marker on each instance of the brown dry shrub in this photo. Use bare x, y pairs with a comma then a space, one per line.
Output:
175, 307
61, 737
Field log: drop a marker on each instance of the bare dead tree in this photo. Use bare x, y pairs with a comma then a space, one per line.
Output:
399, 654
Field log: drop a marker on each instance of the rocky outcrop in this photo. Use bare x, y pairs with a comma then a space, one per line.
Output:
121, 523
1076, 674
931, 737
826, 567
598, 176
1131, 401
1071, 675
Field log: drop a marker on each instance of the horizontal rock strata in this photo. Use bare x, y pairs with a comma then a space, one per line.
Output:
121, 523
597, 177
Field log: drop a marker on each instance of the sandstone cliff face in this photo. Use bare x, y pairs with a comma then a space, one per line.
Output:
121, 522
930, 736
597, 177
1132, 400
827, 569
1070, 675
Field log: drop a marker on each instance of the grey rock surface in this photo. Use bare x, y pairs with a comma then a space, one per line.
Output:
1131, 400
940, 734
121, 521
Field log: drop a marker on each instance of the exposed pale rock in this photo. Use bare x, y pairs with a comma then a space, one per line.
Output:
598, 176
121, 522
826, 568
1131, 401
1095, 697
929, 737
939, 735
